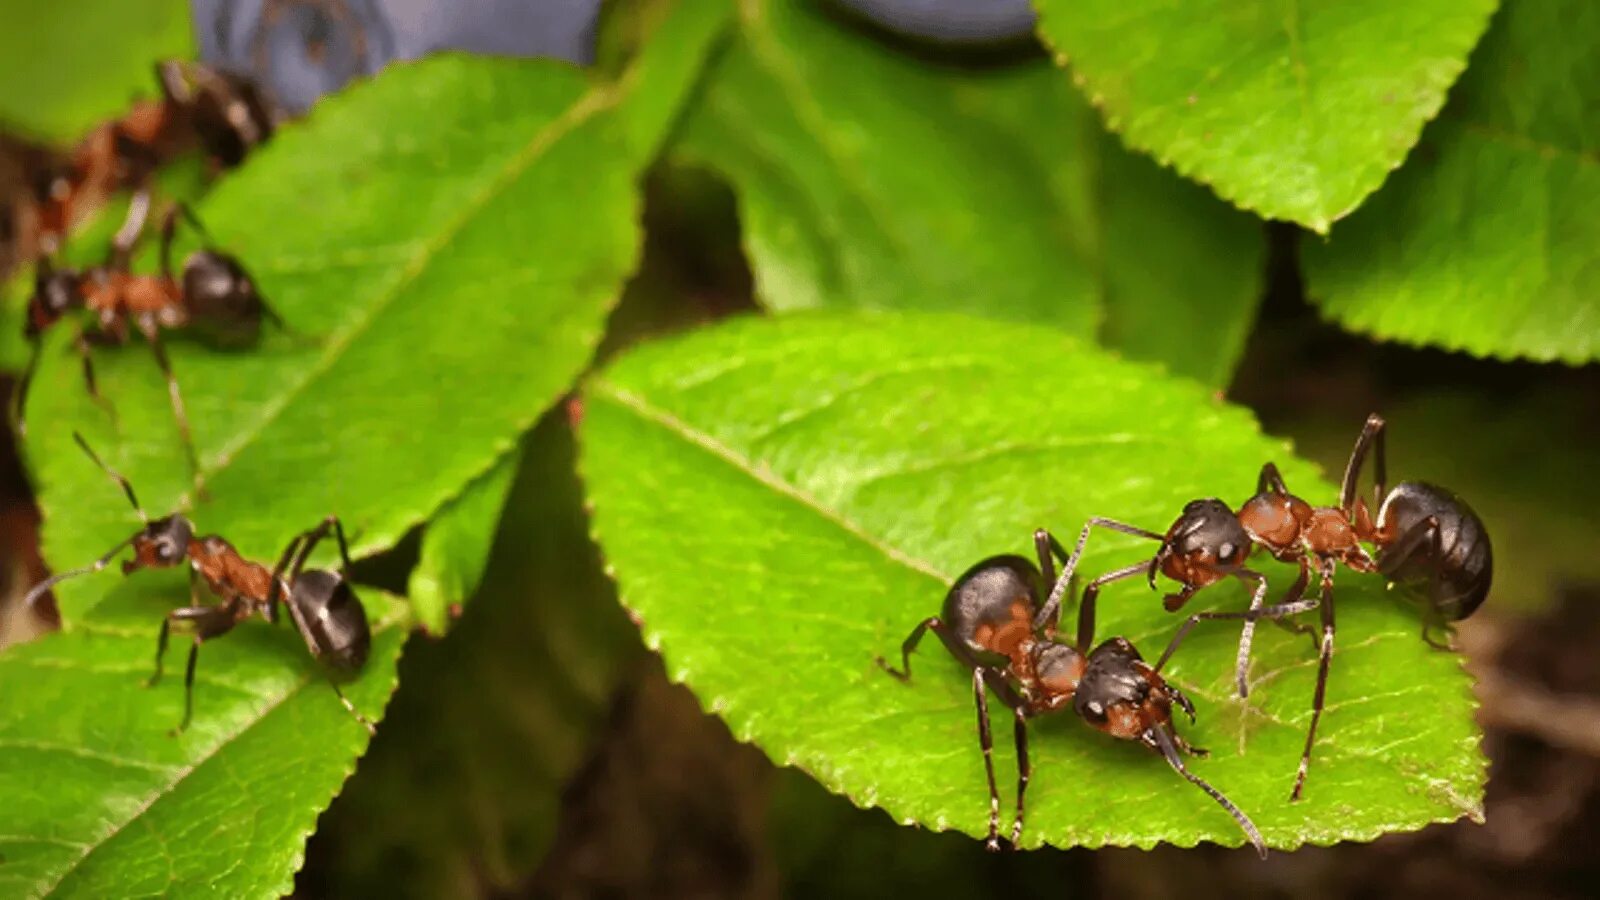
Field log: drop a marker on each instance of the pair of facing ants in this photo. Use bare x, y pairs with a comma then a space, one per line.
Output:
321, 603
1427, 540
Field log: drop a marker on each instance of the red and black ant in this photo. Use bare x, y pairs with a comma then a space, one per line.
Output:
987, 624
214, 296
325, 610
1427, 538
225, 114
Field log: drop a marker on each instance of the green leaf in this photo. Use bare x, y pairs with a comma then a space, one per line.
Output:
1487, 240
866, 176
455, 547
463, 783
783, 501
67, 66
102, 801
1294, 110
448, 276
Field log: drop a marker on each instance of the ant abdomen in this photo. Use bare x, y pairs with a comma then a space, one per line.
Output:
990, 607
1454, 568
331, 620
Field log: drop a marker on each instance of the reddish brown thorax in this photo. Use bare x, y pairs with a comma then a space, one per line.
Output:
226, 572
1276, 521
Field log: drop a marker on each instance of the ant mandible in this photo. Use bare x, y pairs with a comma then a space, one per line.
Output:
1426, 537
987, 625
215, 295
221, 111
325, 610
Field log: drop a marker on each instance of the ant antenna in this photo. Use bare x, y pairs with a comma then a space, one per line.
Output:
351, 708
43, 587
1170, 751
114, 475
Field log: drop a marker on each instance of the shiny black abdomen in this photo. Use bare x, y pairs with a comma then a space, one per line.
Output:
986, 594
334, 624
1466, 565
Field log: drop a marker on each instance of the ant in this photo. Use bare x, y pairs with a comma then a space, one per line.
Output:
221, 111
214, 295
987, 624
325, 610
1427, 538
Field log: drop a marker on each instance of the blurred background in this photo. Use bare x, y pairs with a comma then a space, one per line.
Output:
540, 751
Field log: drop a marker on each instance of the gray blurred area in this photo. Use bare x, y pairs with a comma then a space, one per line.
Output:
949, 21
302, 49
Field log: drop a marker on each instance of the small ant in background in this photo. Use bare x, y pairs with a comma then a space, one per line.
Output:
987, 624
214, 296
225, 114
325, 610
1427, 538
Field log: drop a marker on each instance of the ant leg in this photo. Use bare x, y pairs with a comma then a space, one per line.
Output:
1024, 769
276, 587
351, 708
1277, 610
986, 742
84, 344
1247, 633
169, 228
161, 652
1048, 614
152, 335
1090, 592
1296, 591
188, 686
1371, 437
1160, 740
19, 392
908, 647
127, 237
1323, 661
1270, 479
1448, 644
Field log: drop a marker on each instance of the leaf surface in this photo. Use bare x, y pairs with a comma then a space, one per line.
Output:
102, 801
455, 546
68, 66
1294, 109
1487, 242
782, 502
868, 176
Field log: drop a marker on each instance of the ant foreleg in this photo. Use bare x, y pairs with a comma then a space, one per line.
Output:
1277, 610
161, 652
188, 686
1049, 613
909, 646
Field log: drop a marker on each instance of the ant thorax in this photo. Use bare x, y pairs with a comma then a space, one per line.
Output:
1276, 521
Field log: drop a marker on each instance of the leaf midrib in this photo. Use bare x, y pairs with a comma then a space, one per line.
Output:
595, 99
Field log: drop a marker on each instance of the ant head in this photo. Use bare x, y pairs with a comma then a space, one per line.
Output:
1207, 536
162, 544
55, 292
1121, 695
331, 620
231, 117
222, 297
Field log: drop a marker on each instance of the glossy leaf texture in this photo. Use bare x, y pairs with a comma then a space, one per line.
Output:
1293, 110
68, 65
455, 547
1487, 240
445, 277
782, 501
870, 176
102, 801
461, 790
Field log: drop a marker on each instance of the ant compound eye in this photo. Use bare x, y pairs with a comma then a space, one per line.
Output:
1227, 552
1094, 711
